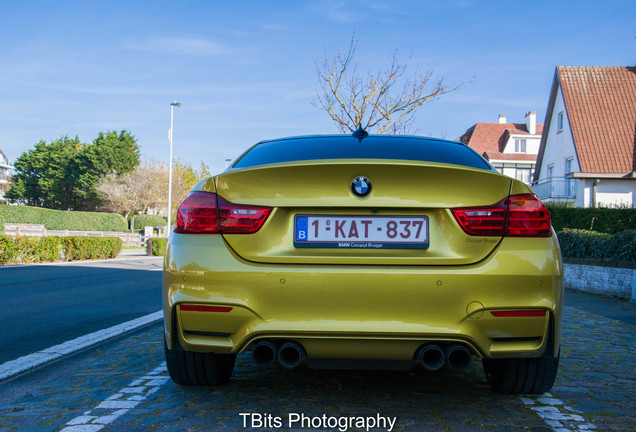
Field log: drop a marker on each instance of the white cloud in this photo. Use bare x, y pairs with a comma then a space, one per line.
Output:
178, 46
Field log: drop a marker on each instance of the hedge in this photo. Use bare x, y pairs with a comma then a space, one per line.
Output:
603, 220
87, 248
25, 250
63, 220
591, 245
142, 221
159, 246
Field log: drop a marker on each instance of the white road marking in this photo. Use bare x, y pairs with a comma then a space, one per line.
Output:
120, 403
556, 414
19, 365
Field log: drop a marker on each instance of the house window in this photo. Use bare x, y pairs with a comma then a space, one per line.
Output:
568, 165
550, 171
560, 122
520, 146
523, 174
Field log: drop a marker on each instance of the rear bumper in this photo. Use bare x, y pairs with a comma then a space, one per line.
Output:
364, 312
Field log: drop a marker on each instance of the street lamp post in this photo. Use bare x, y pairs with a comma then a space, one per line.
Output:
172, 105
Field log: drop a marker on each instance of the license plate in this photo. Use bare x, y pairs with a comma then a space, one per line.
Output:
364, 232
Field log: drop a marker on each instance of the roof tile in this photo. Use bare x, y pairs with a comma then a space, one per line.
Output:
491, 138
601, 108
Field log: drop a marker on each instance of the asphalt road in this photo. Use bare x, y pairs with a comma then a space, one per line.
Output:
44, 305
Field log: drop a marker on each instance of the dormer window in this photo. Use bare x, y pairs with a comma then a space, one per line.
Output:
520, 146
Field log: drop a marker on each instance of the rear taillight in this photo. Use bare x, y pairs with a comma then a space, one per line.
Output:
528, 217
483, 221
238, 219
197, 214
208, 213
515, 216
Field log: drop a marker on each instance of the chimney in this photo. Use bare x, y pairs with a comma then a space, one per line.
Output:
502, 118
531, 122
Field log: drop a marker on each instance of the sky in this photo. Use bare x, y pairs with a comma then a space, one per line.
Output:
245, 71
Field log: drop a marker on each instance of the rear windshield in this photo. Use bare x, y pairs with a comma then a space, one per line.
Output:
372, 147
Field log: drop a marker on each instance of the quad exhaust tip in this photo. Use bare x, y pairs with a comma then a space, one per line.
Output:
458, 357
264, 352
289, 354
432, 357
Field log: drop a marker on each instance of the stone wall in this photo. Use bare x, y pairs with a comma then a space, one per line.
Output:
615, 282
38, 230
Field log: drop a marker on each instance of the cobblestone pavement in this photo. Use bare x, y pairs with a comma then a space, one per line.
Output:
122, 385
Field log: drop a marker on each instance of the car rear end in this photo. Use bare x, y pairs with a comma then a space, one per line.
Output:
417, 251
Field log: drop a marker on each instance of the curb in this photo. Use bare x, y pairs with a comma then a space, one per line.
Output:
79, 262
30, 361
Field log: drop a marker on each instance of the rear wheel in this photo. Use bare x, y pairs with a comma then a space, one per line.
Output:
522, 375
198, 369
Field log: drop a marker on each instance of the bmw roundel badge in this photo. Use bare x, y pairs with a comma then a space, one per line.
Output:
361, 186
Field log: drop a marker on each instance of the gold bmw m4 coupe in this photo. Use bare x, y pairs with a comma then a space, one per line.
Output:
363, 251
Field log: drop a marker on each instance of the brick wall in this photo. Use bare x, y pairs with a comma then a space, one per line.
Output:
615, 282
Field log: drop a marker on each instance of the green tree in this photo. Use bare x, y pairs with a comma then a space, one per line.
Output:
40, 177
64, 174
110, 152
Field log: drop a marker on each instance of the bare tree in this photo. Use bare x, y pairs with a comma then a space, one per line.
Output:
115, 196
384, 102
135, 192
145, 190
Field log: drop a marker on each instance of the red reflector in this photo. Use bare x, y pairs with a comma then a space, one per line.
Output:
519, 313
516, 216
201, 308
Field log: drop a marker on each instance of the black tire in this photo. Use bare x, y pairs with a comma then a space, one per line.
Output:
521, 375
189, 368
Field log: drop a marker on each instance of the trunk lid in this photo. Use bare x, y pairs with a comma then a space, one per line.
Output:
403, 193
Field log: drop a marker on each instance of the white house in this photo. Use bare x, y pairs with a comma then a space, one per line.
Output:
587, 156
5, 166
511, 148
